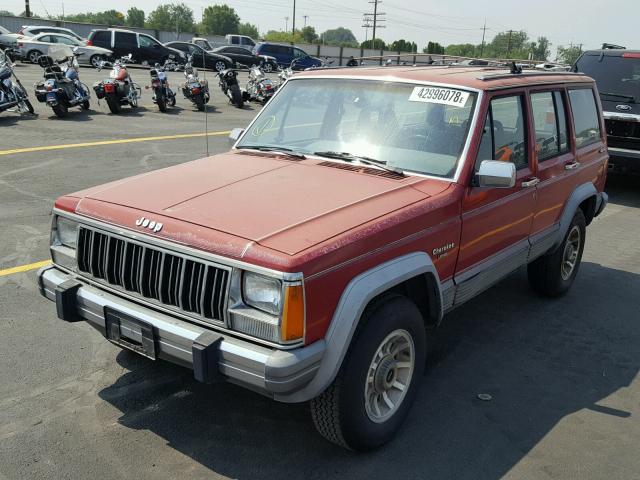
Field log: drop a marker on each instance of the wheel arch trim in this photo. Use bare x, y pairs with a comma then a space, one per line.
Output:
579, 195
355, 298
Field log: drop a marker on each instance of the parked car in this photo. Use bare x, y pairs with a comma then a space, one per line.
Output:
241, 41
33, 30
7, 39
311, 264
31, 48
202, 58
203, 43
144, 49
242, 56
617, 73
285, 54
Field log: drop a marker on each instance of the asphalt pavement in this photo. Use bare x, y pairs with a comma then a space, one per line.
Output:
562, 374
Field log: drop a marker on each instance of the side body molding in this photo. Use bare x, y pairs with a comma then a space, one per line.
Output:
358, 293
579, 195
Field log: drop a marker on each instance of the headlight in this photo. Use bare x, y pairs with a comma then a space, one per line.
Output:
263, 293
66, 232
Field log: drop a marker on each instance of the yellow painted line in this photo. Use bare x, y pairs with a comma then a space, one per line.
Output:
111, 142
24, 268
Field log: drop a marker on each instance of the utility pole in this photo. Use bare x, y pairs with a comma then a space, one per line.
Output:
286, 24
27, 10
293, 29
62, 13
484, 29
305, 20
374, 19
366, 25
509, 44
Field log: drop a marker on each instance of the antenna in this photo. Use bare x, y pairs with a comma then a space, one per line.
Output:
206, 116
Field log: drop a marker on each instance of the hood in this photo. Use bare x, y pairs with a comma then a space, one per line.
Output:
284, 205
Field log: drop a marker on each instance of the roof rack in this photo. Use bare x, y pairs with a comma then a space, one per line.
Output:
536, 73
612, 46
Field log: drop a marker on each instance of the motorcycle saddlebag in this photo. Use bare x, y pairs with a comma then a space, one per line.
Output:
98, 87
41, 94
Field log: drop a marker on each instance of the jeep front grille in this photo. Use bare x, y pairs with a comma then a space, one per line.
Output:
192, 286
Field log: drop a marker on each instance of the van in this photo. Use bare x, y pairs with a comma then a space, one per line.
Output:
285, 54
144, 48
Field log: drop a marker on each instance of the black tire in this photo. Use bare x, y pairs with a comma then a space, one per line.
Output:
85, 105
220, 66
339, 413
267, 67
199, 100
60, 110
236, 96
162, 103
113, 103
546, 274
33, 56
95, 60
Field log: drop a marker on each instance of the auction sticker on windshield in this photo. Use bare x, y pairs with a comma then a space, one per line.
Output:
445, 96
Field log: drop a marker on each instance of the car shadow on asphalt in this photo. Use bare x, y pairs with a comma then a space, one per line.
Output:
540, 360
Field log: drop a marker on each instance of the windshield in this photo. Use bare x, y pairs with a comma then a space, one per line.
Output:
414, 128
618, 75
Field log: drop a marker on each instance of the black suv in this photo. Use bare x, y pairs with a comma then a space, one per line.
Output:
143, 48
616, 70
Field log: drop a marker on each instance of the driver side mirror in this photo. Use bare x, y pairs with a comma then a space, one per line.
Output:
235, 134
496, 174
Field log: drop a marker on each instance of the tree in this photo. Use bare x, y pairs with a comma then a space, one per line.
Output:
108, 17
403, 46
462, 50
569, 54
173, 17
433, 47
220, 20
540, 50
371, 45
510, 44
6, 13
340, 36
135, 17
309, 34
249, 30
283, 37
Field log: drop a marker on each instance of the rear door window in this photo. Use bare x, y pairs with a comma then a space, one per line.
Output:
585, 116
550, 124
126, 40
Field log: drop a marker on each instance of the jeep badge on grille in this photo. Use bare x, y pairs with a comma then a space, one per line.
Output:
150, 224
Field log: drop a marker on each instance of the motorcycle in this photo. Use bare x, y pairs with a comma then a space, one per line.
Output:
119, 89
62, 88
162, 93
12, 93
230, 87
259, 87
193, 88
286, 73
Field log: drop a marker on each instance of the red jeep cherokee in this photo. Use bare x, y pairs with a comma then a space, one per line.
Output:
360, 206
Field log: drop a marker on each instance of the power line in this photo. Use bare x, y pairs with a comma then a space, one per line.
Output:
375, 19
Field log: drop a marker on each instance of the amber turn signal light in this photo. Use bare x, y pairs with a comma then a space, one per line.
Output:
292, 326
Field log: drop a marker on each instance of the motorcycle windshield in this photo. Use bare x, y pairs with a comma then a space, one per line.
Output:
60, 52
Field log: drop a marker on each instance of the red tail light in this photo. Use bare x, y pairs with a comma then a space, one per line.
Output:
195, 91
89, 43
109, 87
631, 55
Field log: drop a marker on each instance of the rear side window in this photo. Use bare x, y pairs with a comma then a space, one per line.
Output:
235, 40
126, 40
550, 124
585, 116
102, 38
504, 137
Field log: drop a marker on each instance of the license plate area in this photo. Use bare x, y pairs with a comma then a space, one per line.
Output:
129, 332
51, 97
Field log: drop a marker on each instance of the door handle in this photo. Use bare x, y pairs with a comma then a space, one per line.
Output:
532, 182
572, 165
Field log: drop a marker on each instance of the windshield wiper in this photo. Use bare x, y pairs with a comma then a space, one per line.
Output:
631, 98
272, 148
349, 157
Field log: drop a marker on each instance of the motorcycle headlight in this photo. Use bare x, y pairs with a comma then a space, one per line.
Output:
263, 293
66, 232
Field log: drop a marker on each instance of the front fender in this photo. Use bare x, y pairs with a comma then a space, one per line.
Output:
355, 298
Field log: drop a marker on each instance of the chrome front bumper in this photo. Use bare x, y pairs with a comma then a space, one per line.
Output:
212, 355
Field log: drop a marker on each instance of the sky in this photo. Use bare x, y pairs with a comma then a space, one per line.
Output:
589, 22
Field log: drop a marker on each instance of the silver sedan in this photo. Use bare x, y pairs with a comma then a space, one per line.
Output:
31, 48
